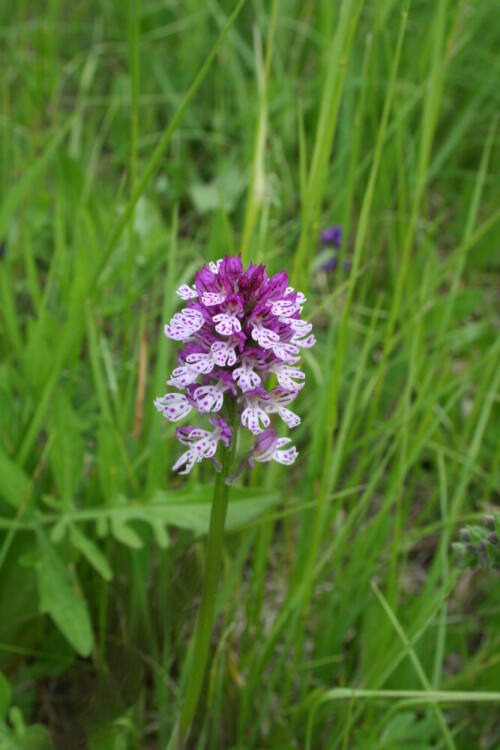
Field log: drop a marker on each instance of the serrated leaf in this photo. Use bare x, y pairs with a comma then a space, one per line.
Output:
188, 510
245, 504
61, 597
66, 447
92, 553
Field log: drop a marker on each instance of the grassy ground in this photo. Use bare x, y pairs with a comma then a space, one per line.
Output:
130, 154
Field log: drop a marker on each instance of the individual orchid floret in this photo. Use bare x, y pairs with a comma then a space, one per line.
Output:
186, 292
203, 444
174, 406
267, 448
277, 403
184, 324
241, 330
254, 412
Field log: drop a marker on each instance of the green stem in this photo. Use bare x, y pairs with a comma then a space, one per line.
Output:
209, 596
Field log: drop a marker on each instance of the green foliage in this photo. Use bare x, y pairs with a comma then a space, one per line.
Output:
61, 597
137, 141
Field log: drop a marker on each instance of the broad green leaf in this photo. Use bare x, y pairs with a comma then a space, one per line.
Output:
113, 737
228, 189
245, 504
192, 514
161, 535
14, 484
92, 553
110, 463
9, 419
66, 448
35, 737
62, 598
125, 534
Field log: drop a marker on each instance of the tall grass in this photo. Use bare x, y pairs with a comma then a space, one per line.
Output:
139, 140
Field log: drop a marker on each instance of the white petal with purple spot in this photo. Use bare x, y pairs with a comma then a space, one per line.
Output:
305, 343
209, 398
246, 378
299, 327
252, 416
187, 292
223, 353
227, 323
286, 457
284, 373
202, 362
212, 298
264, 336
183, 324
183, 376
173, 406
214, 267
286, 352
191, 435
301, 299
285, 308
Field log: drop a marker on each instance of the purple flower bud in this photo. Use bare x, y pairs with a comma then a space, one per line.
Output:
265, 445
332, 236
332, 263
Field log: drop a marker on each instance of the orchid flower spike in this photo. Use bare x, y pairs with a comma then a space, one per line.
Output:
239, 329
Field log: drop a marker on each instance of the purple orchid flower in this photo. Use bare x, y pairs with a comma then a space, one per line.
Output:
239, 329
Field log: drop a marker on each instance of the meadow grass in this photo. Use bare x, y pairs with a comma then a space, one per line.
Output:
138, 141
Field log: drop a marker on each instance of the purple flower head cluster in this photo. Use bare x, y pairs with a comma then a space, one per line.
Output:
332, 236
240, 328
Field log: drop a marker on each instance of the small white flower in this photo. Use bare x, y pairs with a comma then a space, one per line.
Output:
285, 457
210, 397
286, 352
305, 343
224, 353
285, 308
264, 336
267, 448
184, 324
202, 362
284, 373
213, 298
214, 267
278, 400
173, 406
187, 292
300, 298
254, 414
227, 323
183, 376
204, 447
300, 327
245, 376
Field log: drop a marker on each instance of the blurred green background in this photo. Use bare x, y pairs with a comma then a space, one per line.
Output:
139, 140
